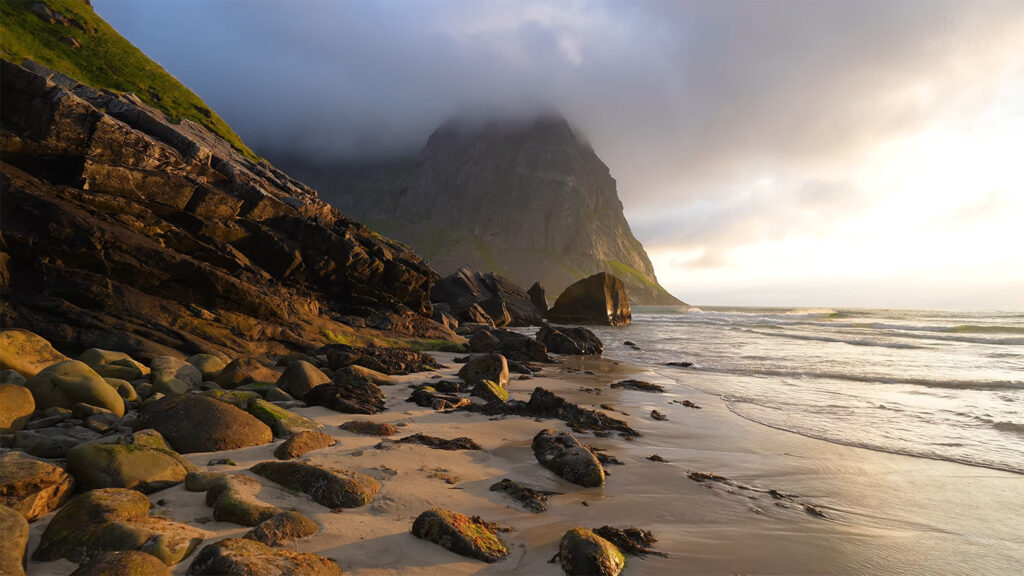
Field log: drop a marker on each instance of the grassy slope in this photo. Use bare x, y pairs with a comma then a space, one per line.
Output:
105, 60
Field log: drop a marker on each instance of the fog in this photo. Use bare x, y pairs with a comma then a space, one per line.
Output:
733, 128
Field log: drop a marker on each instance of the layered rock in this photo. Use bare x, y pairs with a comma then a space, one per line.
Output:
497, 296
125, 231
530, 200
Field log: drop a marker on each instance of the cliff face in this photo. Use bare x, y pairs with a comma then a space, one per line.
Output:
531, 201
123, 230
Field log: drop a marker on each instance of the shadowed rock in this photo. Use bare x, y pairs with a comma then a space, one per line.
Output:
500, 298
127, 563
545, 404
368, 428
635, 541
233, 499
481, 367
350, 397
460, 443
196, 423
389, 361
72, 382
143, 468
283, 528
13, 541
306, 441
564, 455
283, 423
639, 385
300, 377
533, 500
16, 407
460, 534
565, 340
599, 299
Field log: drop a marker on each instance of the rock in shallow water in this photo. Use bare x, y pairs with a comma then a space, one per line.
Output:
461, 534
598, 299
244, 557
564, 455
583, 553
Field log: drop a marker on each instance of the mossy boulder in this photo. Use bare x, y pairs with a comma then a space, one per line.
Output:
239, 398
493, 367
126, 466
300, 377
26, 353
233, 499
329, 487
114, 519
283, 423
283, 528
301, 442
16, 407
245, 557
72, 382
112, 364
581, 552
126, 563
197, 423
242, 371
13, 542
490, 391
460, 534
564, 455
32, 487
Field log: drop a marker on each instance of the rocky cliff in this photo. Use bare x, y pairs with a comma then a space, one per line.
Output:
118, 223
529, 200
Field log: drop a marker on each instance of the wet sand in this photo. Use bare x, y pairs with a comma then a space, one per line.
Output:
884, 513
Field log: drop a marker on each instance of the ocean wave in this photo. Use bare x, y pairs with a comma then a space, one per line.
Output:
851, 341
1006, 467
875, 379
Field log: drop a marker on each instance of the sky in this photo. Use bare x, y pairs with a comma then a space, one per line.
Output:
825, 154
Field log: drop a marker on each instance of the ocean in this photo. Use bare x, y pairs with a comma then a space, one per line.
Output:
932, 384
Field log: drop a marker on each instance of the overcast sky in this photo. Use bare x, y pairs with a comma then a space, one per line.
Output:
802, 153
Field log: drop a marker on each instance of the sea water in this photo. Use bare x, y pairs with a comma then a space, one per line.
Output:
933, 384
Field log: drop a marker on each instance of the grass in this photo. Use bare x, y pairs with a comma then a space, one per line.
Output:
627, 272
105, 60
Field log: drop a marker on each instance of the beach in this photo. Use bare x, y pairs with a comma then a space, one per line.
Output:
883, 513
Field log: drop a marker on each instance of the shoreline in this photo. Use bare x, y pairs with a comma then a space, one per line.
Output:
704, 527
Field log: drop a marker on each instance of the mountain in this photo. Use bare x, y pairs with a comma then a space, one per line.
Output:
124, 227
529, 200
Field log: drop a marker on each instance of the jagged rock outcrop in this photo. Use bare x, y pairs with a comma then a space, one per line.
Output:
530, 200
125, 231
496, 295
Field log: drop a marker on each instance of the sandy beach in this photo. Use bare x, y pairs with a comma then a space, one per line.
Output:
883, 513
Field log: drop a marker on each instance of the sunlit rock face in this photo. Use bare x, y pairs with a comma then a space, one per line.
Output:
123, 230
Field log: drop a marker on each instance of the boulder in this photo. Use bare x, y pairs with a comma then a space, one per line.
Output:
12, 377
474, 315
243, 371
111, 364
13, 542
113, 519
283, 528
200, 481
538, 298
245, 557
283, 423
71, 382
197, 423
389, 361
16, 407
26, 353
368, 428
301, 442
598, 299
172, 376
207, 364
460, 534
300, 377
124, 389
500, 298
564, 340
460, 443
581, 552
489, 391
125, 563
534, 500
32, 487
326, 486
351, 397
233, 499
564, 455
142, 468
480, 367
52, 442
512, 345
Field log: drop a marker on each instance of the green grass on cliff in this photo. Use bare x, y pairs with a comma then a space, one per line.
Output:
627, 272
105, 60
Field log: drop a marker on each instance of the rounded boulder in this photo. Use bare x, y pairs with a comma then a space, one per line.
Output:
72, 382
197, 423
